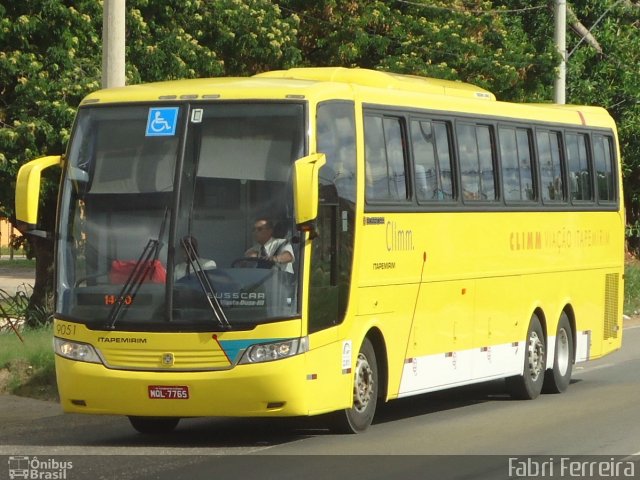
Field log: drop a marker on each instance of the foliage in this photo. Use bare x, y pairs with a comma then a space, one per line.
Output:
610, 80
607, 79
252, 36
632, 288
51, 58
198, 38
456, 40
13, 307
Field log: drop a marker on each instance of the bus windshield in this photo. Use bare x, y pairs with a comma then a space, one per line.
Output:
180, 216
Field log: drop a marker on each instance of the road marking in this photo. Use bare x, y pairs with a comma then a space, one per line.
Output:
147, 449
631, 457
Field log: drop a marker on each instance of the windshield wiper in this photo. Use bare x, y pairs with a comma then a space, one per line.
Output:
205, 284
140, 270
143, 267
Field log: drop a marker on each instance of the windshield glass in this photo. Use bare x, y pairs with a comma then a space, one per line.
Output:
152, 238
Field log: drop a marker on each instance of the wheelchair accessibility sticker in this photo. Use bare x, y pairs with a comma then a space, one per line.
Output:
162, 121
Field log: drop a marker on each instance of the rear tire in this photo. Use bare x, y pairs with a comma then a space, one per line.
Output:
529, 385
154, 425
557, 379
365, 394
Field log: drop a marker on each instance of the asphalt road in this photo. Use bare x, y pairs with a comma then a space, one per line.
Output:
13, 279
470, 432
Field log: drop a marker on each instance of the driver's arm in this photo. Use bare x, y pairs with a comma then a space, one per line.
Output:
283, 257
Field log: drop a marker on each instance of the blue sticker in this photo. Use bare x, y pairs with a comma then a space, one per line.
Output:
162, 121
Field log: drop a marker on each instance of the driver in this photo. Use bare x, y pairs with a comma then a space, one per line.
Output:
275, 250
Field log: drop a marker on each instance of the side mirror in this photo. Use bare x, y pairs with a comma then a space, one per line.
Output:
305, 190
28, 190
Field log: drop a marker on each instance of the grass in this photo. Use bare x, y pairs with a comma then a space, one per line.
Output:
632, 288
28, 368
17, 264
6, 251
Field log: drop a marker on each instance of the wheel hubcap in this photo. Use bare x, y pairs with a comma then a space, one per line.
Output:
536, 356
363, 385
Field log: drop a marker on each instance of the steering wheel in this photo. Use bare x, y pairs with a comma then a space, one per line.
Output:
257, 261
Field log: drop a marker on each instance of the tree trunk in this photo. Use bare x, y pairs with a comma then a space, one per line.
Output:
583, 31
41, 302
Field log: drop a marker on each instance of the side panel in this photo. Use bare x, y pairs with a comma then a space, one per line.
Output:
467, 320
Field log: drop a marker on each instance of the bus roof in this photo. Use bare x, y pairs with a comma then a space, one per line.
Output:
378, 79
351, 83
287, 80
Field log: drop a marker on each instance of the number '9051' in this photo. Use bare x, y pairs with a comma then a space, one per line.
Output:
65, 329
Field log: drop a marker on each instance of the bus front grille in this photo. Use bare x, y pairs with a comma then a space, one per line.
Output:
184, 360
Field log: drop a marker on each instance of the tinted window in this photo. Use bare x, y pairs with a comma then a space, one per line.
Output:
580, 177
476, 162
385, 159
603, 157
432, 159
515, 154
549, 148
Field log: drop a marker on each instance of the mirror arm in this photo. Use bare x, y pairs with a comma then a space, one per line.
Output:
311, 227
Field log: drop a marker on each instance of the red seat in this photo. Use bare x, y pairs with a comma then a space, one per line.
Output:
121, 270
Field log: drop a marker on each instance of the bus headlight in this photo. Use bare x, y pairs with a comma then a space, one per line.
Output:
267, 352
82, 352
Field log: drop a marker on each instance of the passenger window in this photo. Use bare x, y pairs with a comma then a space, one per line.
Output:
580, 174
549, 156
515, 155
476, 162
432, 161
385, 159
603, 157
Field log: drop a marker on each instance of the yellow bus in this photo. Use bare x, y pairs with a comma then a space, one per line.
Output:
423, 236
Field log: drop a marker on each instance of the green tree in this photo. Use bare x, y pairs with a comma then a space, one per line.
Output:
458, 40
608, 77
50, 59
207, 38
604, 54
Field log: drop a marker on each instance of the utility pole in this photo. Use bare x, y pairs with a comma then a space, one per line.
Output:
560, 13
113, 31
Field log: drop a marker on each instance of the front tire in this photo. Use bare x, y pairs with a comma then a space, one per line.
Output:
529, 385
557, 379
365, 394
154, 425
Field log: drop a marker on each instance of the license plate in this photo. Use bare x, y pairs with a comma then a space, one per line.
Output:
157, 392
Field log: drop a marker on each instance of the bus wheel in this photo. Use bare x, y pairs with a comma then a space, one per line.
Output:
557, 379
529, 385
365, 394
154, 425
